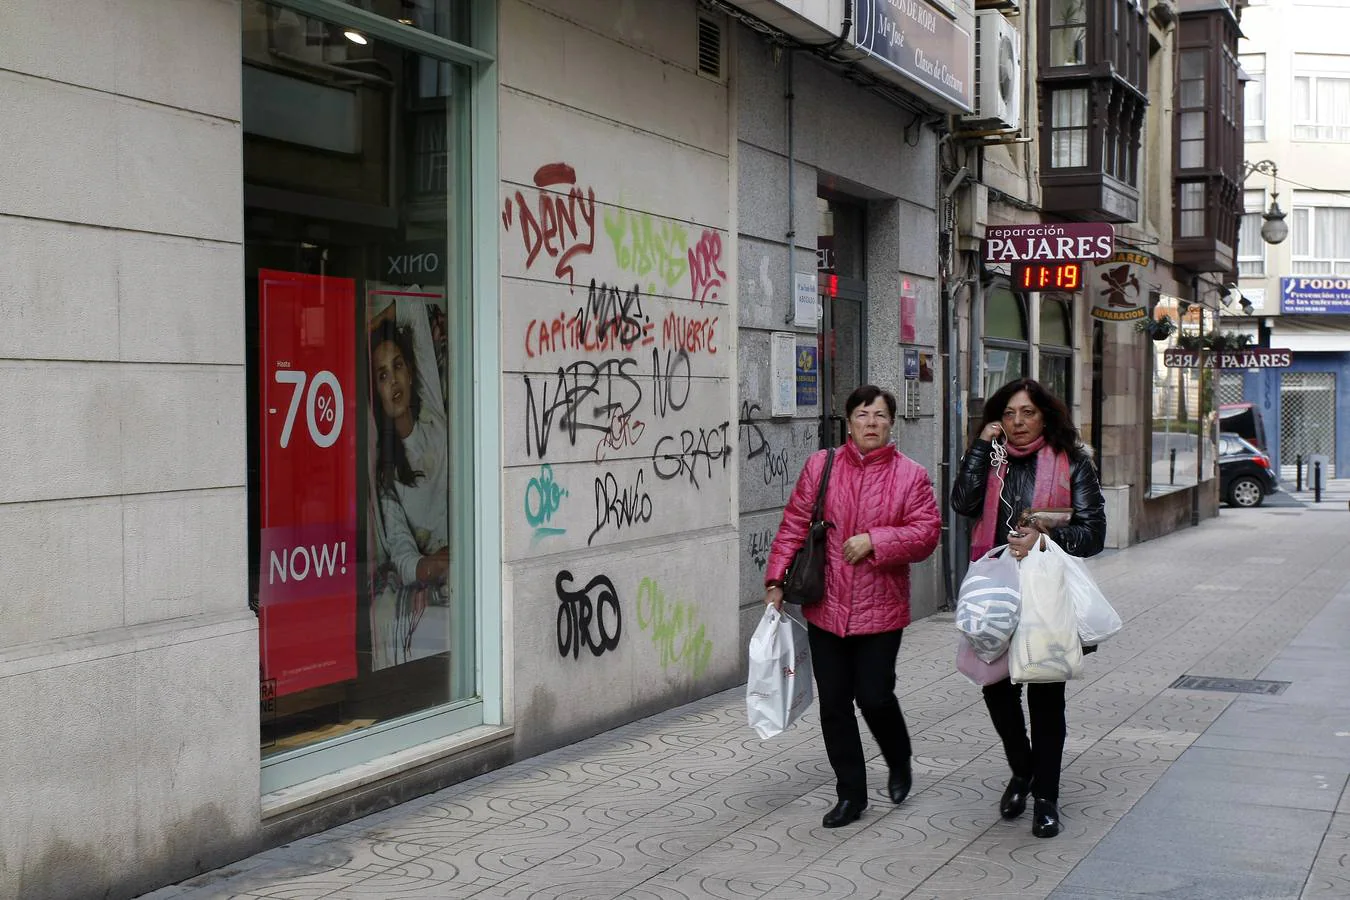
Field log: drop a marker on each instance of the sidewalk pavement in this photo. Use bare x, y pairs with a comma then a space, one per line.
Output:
1335, 495
1185, 792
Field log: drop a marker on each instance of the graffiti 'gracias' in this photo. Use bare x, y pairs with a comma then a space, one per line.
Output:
1049, 243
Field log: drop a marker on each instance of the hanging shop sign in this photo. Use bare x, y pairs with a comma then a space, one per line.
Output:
1122, 287
1055, 242
1315, 294
307, 507
921, 43
1254, 358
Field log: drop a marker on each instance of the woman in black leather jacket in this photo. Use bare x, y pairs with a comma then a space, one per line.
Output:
1029, 452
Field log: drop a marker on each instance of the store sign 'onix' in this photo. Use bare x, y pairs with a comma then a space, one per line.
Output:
1060, 242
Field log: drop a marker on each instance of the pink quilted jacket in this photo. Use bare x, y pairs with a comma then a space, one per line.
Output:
885, 494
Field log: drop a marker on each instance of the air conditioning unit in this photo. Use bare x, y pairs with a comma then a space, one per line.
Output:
998, 73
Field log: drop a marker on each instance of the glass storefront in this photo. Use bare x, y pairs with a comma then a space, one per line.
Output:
357, 278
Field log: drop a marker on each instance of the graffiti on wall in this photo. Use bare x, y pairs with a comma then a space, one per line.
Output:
617, 389
589, 617
674, 629
562, 226
543, 499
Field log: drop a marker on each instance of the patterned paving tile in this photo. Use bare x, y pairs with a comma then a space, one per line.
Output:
690, 804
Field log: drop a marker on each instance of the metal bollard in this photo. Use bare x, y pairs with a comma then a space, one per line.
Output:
1298, 472
1172, 467
1317, 481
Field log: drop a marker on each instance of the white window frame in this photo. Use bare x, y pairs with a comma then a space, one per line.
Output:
1303, 231
1313, 68
1254, 110
1251, 256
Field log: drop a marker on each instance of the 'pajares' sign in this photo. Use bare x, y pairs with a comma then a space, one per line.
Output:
1061, 242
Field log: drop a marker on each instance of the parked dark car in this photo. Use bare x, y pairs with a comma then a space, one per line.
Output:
1244, 420
1245, 476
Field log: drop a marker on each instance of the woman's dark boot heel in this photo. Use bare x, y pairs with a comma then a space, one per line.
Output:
1045, 819
1014, 801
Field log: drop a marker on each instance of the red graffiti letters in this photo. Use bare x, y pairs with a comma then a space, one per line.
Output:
705, 267
689, 334
564, 226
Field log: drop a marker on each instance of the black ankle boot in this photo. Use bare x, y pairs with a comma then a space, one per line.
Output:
1045, 819
844, 812
1014, 801
899, 783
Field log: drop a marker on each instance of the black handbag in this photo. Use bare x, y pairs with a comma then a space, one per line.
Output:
804, 583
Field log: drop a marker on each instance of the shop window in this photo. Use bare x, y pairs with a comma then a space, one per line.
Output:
358, 361
1005, 343
444, 18
1055, 351
1182, 439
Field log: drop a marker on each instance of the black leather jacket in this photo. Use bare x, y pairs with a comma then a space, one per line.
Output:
1085, 534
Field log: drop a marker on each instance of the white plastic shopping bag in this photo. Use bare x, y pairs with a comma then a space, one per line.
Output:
778, 690
987, 603
1097, 619
1045, 647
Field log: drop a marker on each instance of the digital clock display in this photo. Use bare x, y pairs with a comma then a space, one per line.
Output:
1050, 276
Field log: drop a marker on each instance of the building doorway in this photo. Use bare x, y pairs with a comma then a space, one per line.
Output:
1308, 417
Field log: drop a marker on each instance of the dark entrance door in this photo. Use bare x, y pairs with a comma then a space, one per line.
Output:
842, 351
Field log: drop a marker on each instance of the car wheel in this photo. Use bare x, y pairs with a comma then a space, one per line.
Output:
1246, 491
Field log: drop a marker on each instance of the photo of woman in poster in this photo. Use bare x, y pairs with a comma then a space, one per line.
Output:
411, 478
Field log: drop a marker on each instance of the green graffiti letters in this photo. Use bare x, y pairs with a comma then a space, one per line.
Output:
673, 629
543, 497
649, 246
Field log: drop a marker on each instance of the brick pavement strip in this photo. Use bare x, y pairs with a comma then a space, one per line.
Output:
1167, 793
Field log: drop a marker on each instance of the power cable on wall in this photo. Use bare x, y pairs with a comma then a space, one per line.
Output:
825, 52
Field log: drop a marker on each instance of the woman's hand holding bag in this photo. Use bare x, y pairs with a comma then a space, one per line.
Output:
778, 689
1045, 647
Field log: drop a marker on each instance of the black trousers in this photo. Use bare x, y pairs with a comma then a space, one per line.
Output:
858, 668
1040, 756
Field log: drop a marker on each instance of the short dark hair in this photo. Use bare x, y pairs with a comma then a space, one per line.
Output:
866, 394
1060, 432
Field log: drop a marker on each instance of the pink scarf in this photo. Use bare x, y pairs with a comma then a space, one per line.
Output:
1053, 488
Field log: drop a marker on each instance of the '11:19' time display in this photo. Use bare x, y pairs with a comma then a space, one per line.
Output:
1057, 276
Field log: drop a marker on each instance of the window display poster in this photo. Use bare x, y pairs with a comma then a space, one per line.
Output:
409, 474
307, 582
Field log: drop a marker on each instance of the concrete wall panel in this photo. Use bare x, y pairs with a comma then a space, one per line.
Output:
581, 66
46, 596
662, 629
51, 276
180, 429
624, 167
180, 300
186, 554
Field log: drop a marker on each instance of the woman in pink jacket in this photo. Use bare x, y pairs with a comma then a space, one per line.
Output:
885, 517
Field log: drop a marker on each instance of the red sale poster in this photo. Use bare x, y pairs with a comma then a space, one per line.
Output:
307, 577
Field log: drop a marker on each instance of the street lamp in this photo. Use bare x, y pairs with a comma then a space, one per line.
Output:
1275, 229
